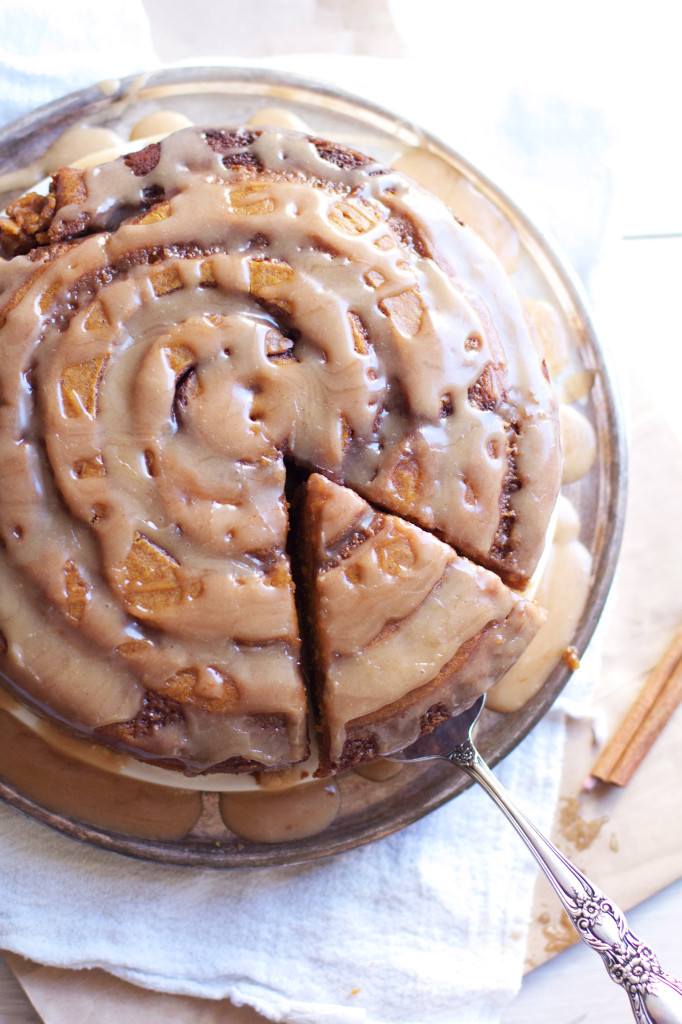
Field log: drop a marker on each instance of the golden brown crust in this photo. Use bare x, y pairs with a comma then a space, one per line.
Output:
30, 219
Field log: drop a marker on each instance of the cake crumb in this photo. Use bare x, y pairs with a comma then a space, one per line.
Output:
576, 829
560, 935
571, 658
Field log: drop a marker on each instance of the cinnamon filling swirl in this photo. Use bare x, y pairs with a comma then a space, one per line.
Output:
179, 327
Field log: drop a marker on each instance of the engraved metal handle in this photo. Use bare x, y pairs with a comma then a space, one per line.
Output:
655, 996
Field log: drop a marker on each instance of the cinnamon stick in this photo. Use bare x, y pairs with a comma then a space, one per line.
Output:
645, 720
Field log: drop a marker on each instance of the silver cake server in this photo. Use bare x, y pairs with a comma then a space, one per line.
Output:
655, 996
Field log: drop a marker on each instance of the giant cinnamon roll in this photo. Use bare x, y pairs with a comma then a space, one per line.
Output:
186, 331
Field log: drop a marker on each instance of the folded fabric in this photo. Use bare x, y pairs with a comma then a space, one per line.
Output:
49, 49
425, 926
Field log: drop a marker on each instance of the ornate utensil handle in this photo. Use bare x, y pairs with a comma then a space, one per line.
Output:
655, 996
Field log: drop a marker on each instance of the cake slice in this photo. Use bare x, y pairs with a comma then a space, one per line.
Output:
405, 631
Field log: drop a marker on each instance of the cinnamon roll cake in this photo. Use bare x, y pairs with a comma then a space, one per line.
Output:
186, 335
395, 605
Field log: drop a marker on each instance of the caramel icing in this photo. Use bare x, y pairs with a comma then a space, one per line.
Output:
579, 443
460, 195
94, 754
283, 815
90, 795
158, 124
552, 334
79, 142
379, 770
193, 319
404, 627
562, 591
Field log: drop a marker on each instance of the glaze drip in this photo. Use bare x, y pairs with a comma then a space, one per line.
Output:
178, 323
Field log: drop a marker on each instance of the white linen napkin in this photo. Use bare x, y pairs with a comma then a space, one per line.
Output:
427, 926
50, 48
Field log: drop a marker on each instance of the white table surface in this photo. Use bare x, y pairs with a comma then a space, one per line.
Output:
573, 987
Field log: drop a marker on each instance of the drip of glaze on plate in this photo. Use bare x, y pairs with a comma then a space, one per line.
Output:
284, 815
322, 806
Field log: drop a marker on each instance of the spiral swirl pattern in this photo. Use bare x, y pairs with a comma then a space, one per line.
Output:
189, 322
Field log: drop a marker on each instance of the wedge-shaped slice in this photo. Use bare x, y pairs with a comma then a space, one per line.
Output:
406, 632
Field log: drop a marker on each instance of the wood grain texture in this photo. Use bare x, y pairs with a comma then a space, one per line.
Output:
15, 1007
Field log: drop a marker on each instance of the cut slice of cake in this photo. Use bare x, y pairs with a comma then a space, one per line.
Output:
405, 631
